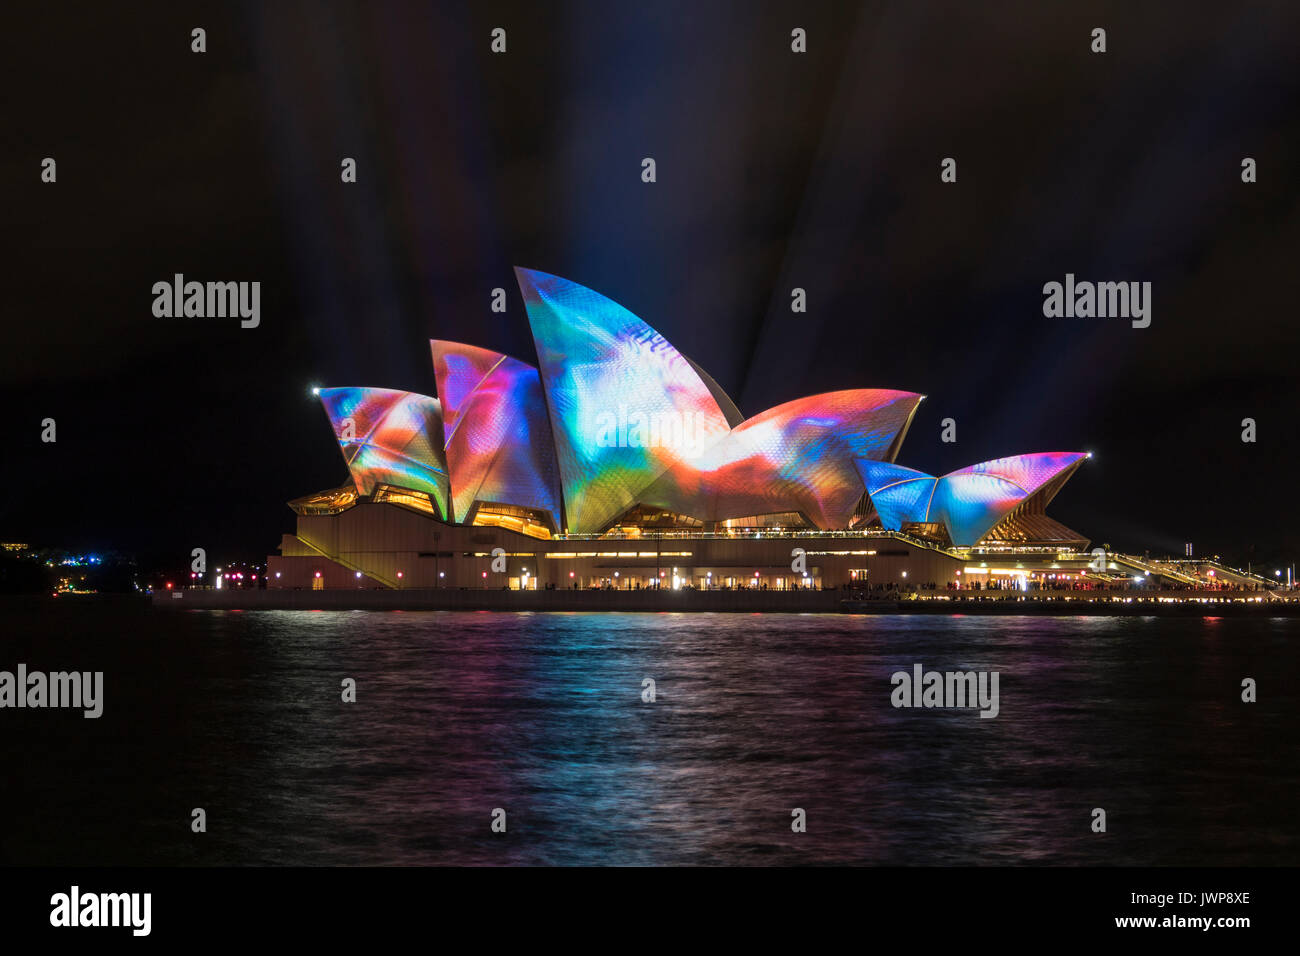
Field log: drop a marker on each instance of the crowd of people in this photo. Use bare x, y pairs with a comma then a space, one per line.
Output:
1031, 585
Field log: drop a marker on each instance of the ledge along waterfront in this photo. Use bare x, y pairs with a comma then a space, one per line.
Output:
1174, 603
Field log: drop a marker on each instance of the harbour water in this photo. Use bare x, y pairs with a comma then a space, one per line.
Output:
544, 716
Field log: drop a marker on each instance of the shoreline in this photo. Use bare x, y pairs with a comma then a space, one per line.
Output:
688, 601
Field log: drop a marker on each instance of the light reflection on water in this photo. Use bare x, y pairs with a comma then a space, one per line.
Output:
541, 715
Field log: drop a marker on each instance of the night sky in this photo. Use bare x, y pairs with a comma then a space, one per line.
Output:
775, 170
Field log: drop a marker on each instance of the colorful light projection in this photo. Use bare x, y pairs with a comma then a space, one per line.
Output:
390, 437
969, 501
898, 494
615, 417
799, 456
497, 437
624, 404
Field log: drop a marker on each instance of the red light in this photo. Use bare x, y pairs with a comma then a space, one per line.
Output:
317, 574
169, 585
484, 574
399, 574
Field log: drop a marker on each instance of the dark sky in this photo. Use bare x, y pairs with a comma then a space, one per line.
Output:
775, 170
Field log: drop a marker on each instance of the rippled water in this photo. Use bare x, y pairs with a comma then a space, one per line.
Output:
542, 715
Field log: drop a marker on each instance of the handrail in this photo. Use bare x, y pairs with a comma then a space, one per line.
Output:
351, 567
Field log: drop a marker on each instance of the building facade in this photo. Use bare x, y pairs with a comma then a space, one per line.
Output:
617, 462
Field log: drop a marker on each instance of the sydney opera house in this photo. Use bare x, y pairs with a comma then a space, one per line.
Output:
617, 462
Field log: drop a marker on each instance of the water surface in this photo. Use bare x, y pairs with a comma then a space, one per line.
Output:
541, 715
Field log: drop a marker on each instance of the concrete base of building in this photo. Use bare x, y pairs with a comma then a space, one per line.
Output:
690, 601
470, 599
